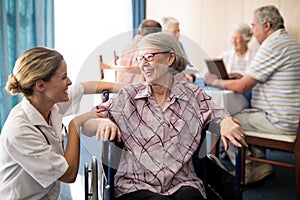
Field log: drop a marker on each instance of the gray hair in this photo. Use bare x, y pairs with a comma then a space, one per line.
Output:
245, 29
165, 42
270, 14
167, 21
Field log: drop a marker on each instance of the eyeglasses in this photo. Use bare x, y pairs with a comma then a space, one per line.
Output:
148, 57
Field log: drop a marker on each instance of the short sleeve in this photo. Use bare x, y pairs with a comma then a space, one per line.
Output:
266, 62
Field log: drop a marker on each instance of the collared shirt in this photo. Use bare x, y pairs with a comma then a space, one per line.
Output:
159, 141
29, 166
277, 66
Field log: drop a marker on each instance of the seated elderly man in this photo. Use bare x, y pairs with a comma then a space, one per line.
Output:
273, 77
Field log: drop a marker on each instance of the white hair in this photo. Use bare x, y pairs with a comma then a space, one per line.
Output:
245, 29
166, 22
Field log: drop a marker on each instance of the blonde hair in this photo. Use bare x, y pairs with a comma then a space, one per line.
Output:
35, 64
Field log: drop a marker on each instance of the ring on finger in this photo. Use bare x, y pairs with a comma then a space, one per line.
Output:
107, 127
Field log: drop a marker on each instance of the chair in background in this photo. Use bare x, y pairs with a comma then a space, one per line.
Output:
104, 67
287, 143
114, 72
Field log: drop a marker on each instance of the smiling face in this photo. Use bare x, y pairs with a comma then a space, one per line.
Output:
238, 41
56, 89
155, 71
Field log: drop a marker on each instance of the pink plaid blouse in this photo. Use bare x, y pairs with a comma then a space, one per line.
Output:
159, 142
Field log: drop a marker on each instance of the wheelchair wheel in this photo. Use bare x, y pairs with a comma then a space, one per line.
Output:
94, 184
91, 191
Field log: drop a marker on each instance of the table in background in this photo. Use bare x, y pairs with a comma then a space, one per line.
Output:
233, 102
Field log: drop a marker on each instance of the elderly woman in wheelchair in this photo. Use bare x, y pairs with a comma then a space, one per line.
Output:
160, 123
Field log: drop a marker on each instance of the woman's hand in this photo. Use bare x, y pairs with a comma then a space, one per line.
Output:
72, 151
231, 130
81, 119
101, 126
107, 130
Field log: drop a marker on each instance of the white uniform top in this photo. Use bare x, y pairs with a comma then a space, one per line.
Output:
29, 166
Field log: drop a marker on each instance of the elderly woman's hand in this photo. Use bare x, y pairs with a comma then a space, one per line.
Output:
231, 130
99, 125
107, 130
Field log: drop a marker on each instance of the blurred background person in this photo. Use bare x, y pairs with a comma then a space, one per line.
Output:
238, 59
128, 57
171, 25
273, 77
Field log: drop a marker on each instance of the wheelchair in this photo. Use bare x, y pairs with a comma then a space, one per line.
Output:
219, 183
105, 190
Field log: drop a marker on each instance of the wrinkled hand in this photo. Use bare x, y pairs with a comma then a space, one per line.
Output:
231, 130
107, 130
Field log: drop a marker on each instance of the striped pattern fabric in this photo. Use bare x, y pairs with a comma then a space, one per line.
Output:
159, 141
277, 66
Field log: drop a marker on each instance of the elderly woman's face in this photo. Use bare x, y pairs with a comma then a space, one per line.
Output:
238, 41
154, 64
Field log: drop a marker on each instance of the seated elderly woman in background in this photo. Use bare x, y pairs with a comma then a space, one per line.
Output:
240, 56
160, 122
